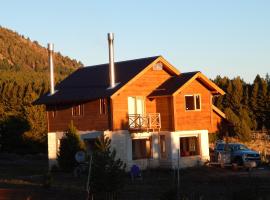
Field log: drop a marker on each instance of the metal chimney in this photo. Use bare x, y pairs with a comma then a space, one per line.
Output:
111, 60
50, 51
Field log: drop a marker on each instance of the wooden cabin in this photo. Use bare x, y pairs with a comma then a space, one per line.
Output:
153, 111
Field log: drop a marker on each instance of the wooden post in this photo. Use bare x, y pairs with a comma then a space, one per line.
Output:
88, 178
178, 174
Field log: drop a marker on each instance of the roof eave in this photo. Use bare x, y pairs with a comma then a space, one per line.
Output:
218, 111
216, 90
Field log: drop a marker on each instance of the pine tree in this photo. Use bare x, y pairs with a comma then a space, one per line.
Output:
239, 126
69, 146
236, 94
107, 171
261, 102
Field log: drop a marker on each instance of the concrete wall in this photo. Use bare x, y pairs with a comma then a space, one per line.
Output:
121, 141
53, 147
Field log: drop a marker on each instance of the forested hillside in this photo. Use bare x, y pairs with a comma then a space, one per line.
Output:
24, 76
18, 53
247, 106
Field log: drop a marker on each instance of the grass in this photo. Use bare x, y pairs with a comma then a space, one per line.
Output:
27, 175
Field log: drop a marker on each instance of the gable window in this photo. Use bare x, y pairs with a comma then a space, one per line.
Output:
77, 110
141, 148
102, 106
193, 102
189, 146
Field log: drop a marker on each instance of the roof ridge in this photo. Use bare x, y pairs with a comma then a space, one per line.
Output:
122, 61
190, 72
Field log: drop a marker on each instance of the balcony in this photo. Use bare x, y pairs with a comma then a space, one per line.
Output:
148, 122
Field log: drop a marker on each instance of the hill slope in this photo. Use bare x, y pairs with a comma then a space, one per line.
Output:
23, 78
18, 53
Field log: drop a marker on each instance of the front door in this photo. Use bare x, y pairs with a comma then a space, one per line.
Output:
135, 111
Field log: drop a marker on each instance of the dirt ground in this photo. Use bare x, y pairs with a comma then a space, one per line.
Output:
23, 178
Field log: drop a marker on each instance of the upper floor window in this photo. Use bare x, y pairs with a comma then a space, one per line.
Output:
193, 102
102, 106
54, 112
77, 110
136, 105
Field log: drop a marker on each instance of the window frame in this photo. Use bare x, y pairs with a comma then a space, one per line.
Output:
194, 102
148, 153
80, 108
103, 106
143, 100
54, 111
188, 145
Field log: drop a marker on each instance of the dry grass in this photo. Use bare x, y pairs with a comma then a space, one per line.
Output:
27, 176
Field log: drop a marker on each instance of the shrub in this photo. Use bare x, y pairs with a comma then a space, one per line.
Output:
70, 144
213, 137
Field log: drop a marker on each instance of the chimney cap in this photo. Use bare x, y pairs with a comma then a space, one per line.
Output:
50, 46
110, 36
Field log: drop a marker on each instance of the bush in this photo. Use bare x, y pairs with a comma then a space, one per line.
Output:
70, 145
213, 137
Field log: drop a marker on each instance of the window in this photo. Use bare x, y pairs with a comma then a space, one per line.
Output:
189, 146
141, 148
193, 102
162, 143
77, 110
102, 106
136, 105
54, 111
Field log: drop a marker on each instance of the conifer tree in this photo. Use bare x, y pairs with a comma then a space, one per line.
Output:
107, 171
236, 93
69, 146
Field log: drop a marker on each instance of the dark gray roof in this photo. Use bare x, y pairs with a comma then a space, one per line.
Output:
92, 82
172, 84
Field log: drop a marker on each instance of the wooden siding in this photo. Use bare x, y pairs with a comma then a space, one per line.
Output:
164, 107
193, 120
216, 121
90, 120
143, 86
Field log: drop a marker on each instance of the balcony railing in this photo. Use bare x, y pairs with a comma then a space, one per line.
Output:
148, 122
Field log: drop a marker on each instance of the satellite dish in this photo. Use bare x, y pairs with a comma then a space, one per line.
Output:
80, 156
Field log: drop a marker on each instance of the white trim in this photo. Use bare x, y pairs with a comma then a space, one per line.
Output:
194, 102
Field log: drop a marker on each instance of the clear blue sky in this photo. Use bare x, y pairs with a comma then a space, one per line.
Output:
226, 37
